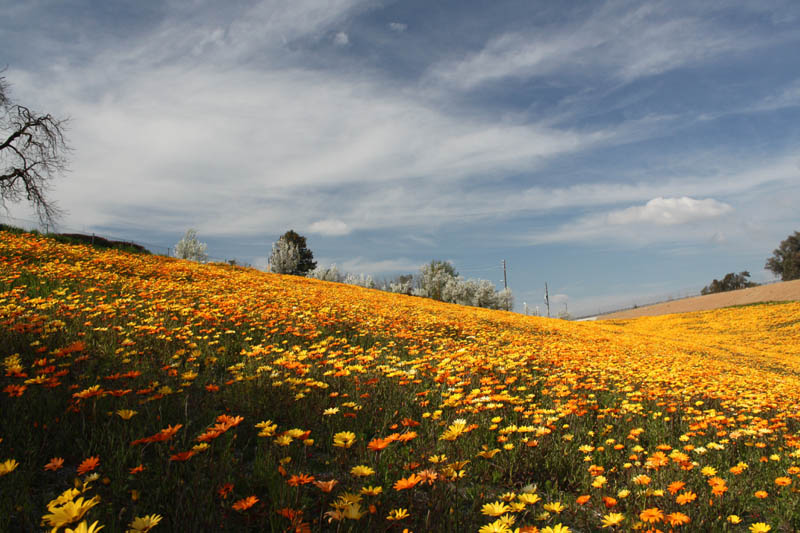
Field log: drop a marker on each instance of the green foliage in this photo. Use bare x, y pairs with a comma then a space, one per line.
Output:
731, 282
785, 260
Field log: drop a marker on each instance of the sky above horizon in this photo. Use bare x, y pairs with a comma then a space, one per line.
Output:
618, 151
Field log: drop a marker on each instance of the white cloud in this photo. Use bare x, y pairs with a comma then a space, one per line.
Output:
330, 226
341, 39
168, 142
614, 42
399, 27
788, 97
669, 211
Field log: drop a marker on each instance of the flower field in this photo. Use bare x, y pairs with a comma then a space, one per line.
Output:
143, 392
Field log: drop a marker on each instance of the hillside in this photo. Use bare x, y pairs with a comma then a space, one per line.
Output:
774, 292
147, 390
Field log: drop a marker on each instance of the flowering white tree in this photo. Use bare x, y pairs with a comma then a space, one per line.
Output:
285, 257
190, 248
327, 274
362, 280
433, 278
505, 300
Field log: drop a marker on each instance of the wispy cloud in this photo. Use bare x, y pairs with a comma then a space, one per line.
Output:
619, 42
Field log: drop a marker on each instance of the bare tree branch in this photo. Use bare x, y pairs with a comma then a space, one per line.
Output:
33, 151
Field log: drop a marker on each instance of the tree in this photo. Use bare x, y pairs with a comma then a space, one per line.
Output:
785, 260
32, 152
190, 248
731, 282
433, 278
327, 274
290, 255
505, 299
403, 284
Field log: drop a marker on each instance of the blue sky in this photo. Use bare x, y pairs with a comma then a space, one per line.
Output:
619, 151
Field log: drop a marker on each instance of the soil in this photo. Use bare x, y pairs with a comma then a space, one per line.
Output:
774, 292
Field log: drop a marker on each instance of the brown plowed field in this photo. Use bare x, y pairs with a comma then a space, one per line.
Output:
775, 292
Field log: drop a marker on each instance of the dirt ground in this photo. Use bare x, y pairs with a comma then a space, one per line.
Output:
775, 292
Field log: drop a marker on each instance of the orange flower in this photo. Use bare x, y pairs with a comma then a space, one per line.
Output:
182, 456
325, 486
377, 445
245, 503
405, 437
677, 519
407, 483
652, 515
581, 500
136, 469
686, 497
761, 494
302, 479
225, 490
609, 502
163, 435
56, 463
15, 390
783, 481
88, 465
675, 486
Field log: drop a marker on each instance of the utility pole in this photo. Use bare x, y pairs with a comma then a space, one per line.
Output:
547, 300
505, 279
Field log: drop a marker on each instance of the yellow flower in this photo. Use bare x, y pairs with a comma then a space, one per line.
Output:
283, 440
554, 507
734, 519
8, 466
267, 428
330, 411
455, 430
709, 471
353, 511
142, 524
498, 526
344, 439
517, 507
558, 528
528, 498
397, 514
613, 519
70, 512
371, 491
362, 471
83, 527
126, 414
760, 527
495, 509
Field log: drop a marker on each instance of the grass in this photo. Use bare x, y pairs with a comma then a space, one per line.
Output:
206, 397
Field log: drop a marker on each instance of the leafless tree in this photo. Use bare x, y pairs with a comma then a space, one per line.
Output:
33, 150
